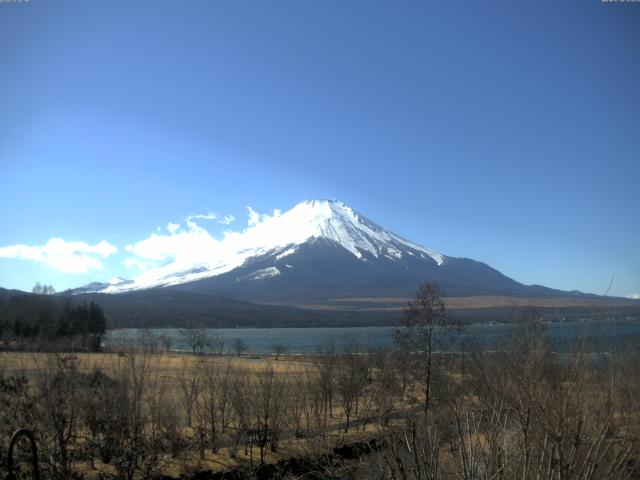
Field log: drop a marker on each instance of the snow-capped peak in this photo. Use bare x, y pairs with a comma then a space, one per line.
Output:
280, 235
337, 221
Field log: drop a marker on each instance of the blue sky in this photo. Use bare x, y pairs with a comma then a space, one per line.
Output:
507, 132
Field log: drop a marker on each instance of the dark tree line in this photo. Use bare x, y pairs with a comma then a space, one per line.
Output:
42, 317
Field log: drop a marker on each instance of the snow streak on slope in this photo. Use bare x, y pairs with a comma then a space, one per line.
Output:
278, 235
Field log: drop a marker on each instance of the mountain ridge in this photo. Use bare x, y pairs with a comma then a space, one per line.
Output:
317, 251
279, 235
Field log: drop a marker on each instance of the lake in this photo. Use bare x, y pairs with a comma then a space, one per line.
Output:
601, 336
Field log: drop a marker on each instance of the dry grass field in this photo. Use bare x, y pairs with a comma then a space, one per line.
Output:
488, 301
180, 379
167, 366
517, 412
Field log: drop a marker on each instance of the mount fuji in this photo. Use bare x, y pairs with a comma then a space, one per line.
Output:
321, 252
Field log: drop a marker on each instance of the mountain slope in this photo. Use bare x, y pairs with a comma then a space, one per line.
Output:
321, 270
166, 307
318, 251
280, 236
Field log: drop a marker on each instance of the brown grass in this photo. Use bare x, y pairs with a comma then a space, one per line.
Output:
168, 368
489, 301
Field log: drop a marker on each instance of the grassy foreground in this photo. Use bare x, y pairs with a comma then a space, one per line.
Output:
180, 395
517, 411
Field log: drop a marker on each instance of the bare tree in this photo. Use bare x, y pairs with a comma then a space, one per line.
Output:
58, 410
16, 408
168, 423
166, 341
269, 412
297, 391
554, 421
189, 384
387, 387
122, 418
223, 389
196, 338
326, 365
279, 349
239, 346
217, 344
207, 403
351, 379
240, 394
412, 449
416, 336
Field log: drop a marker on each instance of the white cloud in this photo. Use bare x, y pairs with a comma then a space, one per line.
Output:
174, 227
204, 216
226, 220
183, 244
189, 245
67, 257
138, 264
256, 218
180, 243
635, 296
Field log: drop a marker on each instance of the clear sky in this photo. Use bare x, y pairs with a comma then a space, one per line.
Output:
503, 131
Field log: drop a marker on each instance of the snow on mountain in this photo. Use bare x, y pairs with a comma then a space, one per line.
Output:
95, 287
262, 273
280, 234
